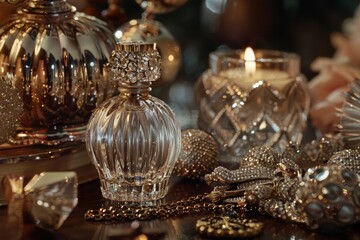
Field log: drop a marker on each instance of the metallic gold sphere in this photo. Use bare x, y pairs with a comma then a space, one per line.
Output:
151, 31
199, 154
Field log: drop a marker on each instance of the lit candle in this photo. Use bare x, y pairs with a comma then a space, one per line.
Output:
250, 64
250, 76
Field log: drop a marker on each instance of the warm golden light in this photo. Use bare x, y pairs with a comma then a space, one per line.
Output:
141, 237
250, 64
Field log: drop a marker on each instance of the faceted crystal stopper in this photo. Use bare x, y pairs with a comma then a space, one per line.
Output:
135, 62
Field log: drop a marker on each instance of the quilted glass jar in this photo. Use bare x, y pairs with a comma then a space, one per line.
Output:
247, 103
134, 139
56, 59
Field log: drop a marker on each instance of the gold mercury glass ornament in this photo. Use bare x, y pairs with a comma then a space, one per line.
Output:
56, 58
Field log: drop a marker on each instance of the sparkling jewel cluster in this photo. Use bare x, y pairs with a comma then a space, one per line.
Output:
328, 192
131, 66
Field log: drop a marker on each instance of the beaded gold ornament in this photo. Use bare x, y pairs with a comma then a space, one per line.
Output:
199, 154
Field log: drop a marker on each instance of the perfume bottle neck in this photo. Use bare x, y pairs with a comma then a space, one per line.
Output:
135, 89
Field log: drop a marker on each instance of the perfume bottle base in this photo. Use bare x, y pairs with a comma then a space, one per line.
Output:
135, 191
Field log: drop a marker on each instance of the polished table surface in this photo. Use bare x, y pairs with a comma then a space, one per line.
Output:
75, 227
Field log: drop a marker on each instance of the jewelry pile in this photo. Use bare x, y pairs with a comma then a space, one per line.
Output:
314, 185
328, 191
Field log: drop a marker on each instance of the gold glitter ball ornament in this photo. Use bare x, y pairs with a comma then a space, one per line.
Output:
199, 154
11, 109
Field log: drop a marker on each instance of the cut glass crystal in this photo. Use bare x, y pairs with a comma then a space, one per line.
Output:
50, 198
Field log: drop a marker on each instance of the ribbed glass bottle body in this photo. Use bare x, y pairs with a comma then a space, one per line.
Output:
133, 141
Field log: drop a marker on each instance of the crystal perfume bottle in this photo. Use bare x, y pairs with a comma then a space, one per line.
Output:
134, 139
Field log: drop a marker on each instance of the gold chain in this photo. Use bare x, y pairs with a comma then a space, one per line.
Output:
195, 205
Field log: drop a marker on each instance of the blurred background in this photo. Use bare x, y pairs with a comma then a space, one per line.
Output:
300, 26
203, 26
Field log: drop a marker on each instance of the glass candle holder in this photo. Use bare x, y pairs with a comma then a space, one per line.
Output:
247, 103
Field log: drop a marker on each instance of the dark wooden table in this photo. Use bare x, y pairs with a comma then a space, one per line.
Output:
76, 227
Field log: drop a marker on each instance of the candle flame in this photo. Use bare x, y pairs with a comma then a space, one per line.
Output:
250, 64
